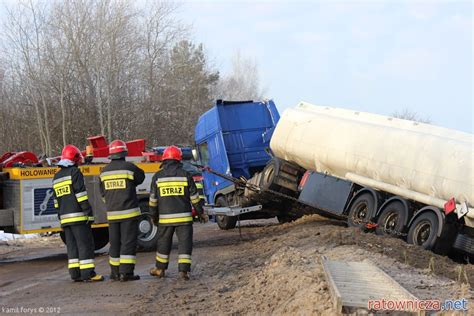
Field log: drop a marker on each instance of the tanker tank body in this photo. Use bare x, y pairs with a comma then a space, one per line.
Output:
408, 179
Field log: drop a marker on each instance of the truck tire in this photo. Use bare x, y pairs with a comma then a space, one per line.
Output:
269, 173
392, 219
147, 230
100, 235
423, 231
286, 216
361, 210
225, 222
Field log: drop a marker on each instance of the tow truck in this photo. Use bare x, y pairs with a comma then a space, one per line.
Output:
26, 194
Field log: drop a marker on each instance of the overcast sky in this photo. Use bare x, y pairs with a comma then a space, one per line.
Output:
377, 56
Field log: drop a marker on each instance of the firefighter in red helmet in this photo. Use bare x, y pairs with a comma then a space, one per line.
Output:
75, 215
118, 182
171, 195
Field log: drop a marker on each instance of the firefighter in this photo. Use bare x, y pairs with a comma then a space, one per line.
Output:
75, 215
118, 182
171, 194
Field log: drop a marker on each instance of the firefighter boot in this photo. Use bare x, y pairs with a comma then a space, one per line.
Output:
160, 273
184, 275
124, 277
95, 278
114, 277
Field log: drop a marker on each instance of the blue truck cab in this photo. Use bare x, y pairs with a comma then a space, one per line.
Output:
233, 138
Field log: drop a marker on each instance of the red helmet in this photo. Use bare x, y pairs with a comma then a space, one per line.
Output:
118, 149
71, 152
172, 152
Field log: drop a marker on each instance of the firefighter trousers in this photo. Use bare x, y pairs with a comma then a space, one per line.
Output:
80, 251
185, 246
123, 246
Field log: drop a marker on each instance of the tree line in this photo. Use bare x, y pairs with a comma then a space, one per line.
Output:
77, 68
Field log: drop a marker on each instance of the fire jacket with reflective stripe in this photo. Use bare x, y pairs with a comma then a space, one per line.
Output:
70, 197
118, 182
171, 194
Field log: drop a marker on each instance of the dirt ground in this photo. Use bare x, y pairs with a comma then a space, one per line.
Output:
268, 269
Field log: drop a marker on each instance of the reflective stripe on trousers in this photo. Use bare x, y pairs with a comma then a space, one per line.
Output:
128, 259
73, 263
162, 258
184, 258
114, 261
86, 264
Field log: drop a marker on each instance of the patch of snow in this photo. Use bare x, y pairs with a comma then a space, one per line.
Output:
7, 236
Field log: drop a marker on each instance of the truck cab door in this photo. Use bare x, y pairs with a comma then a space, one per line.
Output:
213, 154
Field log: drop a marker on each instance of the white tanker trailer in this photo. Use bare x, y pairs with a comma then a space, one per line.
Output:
399, 177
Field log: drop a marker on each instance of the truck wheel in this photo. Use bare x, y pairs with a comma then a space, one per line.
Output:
286, 215
423, 230
269, 173
147, 230
225, 222
100, 235
391, 220
361, 210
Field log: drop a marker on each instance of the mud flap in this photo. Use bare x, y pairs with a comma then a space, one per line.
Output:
445, 241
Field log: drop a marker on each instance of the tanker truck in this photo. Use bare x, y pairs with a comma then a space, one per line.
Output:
392, 176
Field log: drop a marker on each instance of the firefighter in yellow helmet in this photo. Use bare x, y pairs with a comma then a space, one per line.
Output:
171, 195
75, 215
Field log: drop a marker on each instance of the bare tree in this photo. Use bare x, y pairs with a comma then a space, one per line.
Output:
159, 36
25, 35
243, 82
78, 68
184, 93
410, 115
